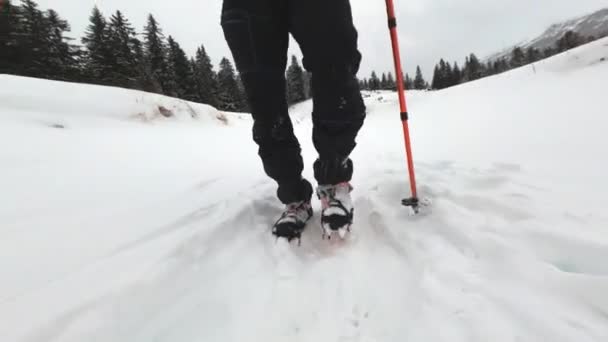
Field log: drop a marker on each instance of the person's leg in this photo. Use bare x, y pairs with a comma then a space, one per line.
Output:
328, 39
257, 34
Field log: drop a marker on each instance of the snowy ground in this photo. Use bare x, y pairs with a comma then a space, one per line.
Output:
118, 224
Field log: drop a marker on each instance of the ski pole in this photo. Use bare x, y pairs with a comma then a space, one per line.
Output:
413, 201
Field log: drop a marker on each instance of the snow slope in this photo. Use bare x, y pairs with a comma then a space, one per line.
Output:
125, 225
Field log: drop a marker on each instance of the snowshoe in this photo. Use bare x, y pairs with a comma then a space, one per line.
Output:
338, 211
293, 221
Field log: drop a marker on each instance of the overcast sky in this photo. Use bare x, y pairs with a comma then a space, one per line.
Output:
429, 29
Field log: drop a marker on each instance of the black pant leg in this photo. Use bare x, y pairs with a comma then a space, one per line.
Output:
257, 34
328, 39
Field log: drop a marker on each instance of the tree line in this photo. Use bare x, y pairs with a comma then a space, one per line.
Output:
446, 75
387, 82
112, 52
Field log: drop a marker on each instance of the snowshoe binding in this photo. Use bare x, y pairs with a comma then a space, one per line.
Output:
293, 221
338, 211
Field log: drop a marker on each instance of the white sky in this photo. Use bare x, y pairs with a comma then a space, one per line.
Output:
429, 29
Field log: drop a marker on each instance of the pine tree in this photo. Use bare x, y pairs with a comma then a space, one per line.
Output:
123, 42
195, 74
374, 81
243, 104
228, 96
419, 82
532, 55
308, 84
465, 70
569, 41
6, 31
497, 66
456, 74
295, 82
409, 83
390, 82
156, 56
449, 76
444, 74
549, 52
363, 84
473, 69
383, 84
98, 54
205, 78
518, 58
60, 60
503, 65
181, 76
32, 40
435, 83
10, 48
145, 79
489, 69
191, 87
492, 68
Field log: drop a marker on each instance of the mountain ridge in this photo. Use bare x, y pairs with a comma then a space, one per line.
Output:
590, 25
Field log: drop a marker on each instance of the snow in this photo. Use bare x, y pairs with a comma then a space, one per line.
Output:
126, 225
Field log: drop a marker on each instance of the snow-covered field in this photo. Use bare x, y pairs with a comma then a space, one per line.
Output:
120, 224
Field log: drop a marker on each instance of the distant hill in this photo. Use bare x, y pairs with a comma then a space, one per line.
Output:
593, 25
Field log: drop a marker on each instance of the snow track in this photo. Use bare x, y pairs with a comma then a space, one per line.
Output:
114, 229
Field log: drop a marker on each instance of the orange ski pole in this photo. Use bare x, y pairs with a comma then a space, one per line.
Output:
413, 201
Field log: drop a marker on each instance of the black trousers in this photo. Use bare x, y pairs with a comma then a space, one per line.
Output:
257, 32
